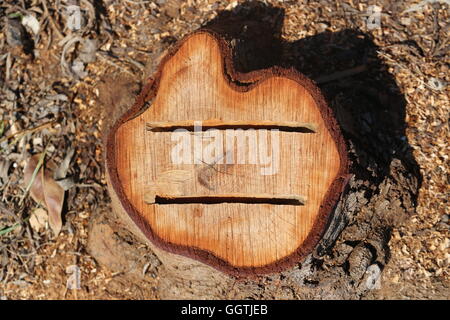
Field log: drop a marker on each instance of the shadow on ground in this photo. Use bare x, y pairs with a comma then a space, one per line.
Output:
358, 87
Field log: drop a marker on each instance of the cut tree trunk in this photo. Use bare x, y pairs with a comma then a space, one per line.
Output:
300, 223
242, 178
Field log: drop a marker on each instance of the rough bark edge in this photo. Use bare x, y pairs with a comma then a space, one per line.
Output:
240, 82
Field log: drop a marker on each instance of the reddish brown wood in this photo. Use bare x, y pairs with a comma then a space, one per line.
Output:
128, 137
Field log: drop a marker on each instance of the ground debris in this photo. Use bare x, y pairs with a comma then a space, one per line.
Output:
61, 85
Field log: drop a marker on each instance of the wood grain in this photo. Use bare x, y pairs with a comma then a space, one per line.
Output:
194, 85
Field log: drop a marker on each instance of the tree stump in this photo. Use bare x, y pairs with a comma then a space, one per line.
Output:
240, 177
318, 228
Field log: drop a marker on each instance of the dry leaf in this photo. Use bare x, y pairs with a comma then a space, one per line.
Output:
38, 219
45, 190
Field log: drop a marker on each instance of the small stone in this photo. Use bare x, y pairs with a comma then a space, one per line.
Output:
88, 50
321, 27
15, 33
78, 68
373, 279
37, 141
31, 22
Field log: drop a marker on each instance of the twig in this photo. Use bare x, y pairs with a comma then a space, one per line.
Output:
9, 229
52, 22
101, 55
137, 2
341, 74
8, 66
416, 74
30, 238
140, 66
31, 130
68, 42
